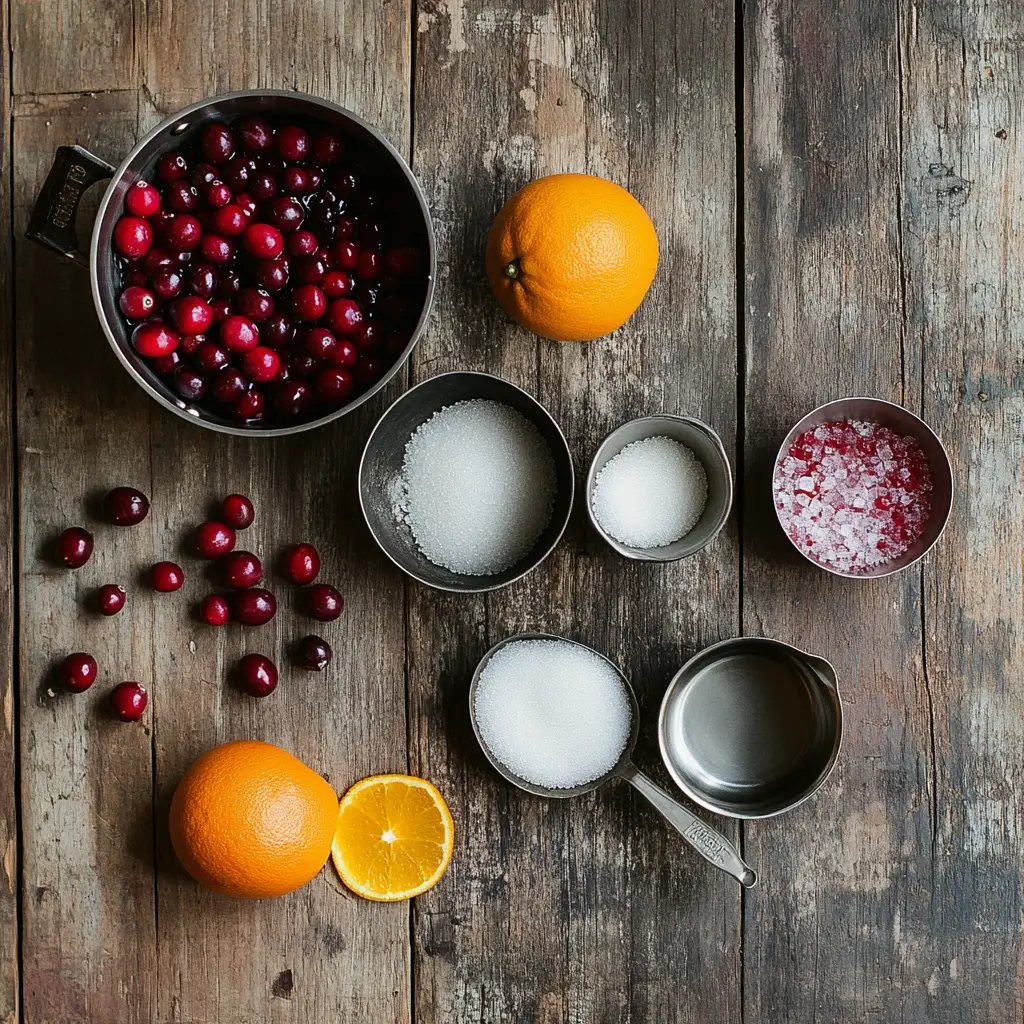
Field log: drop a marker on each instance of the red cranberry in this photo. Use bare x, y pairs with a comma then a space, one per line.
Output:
180, 196
166, 577
137, 303
171, 167
325, 149
154, 338
308, 302
239, 171
249, 407
345, 355
189, 384
302, 364
255, 303
263, 241
344, 316
286, 213
344, 228
166, 365
237, 511
229, 386
247, 203
272, 274
261, 363
292, 143
184, 232
277, 331
366, 336
136, 279
213, 539
345, 255
335, 284
242, 569
128, 701
301, 563
214, 610
217, 195
292, 399
302, 243
201, 280
230, 221
167, 283
142, 200
192, 315
367, 370
253, 607
296, 180
239, 334
320, 343
314, 653
132, 237
158, 259
202, 175
257, 675
263, 187
110, 598
334, 386
310, 269
210, 357
218, 143
74, 547
77, 672
190, 344
324, 602
222, 309
125, 506
368, 266
216, 248
255, 133
403, 262
229, 284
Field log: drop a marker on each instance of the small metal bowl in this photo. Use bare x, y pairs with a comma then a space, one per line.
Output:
381, 467
896, 418
707, 446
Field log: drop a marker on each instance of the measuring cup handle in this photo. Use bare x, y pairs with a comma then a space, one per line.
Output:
708, 842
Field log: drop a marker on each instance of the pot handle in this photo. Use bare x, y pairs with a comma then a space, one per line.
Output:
52, 223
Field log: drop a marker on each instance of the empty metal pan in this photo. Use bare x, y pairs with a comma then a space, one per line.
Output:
751, 727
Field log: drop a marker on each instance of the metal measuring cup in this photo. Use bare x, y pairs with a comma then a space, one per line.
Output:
707, 841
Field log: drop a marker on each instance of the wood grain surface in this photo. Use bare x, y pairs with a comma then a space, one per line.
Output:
837, 192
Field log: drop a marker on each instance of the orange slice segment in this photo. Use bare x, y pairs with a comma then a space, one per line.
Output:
394, 837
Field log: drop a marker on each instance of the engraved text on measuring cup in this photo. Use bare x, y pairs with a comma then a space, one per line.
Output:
706, 840
64, 207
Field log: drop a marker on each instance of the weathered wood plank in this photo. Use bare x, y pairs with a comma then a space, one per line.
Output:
592, 910
846, 889
962, 93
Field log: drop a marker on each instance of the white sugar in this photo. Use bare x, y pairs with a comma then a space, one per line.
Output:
555, 714
651, 494
477, 487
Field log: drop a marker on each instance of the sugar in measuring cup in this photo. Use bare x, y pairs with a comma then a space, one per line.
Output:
557, 719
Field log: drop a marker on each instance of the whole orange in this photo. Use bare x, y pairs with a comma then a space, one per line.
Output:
571, 256
249, 819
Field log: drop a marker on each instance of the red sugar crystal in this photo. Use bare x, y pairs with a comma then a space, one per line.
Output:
853, 494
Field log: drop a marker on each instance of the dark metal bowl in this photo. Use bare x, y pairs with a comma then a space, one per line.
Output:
74, 169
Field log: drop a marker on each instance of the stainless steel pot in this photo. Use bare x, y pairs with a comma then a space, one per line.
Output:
52, 224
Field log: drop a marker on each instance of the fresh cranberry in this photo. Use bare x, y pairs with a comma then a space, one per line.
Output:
142, 199
367, 370
217, 195
128, 701
157, 259
239, 334
335, 284
166, 365
272, 274
263, 187
334, 386
201, 280
325, 149
257, 675
167, 283
184, 232
366, 336
213, 539
253, 607
125, 506
237, 511
154, 338
285, 213
239, 172
308, 302
190, 344
202, 175
297, 180
314, 653
242, 569
228, 386
77, 672
277, 331
110, 599
292, 399
344, 228
292, 143
255, 303
261, 363
302, 243
344, 316
133, 237
216, 248
230, 221
218, 143
302, 363
263, 240
345, 355
171, 167
214, 610
74, 547
192, 315
345, 255
229, 284
180, 196
310, 269
247, 203
320, 343
249, 408
403, 262
301, 563
255, 133
189, 383
136, 279
324, 602
222, 310
166, 577
210, 357
137, 303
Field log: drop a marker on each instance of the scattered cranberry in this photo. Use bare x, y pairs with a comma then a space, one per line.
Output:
218, 143
249, 407
128, 701
261, 363
171, 167
320, 343
216, 248
214, 610
246, 202
213, 539
181, 196
292, 143
132, 237
110, 598
257, 675
158, 257
326, 149
125, 506
301, 563
201, 280
189, 384
302, 243
292, 399
192, 315
253, 607
217, 195
239, 334
314, 653
166, 577
74, 547
345, 255
238, 172
334, 386
210, 357
142, 199
344, 316
137, 303
166, 365
335, 284
77, 672
286, 213
272, 274
230, 221
310, 269
242, 569
366, 336
369, 264
324, 602
184, 232
229, 284
237, 511
263, 187
203, 174
221, 309
277, 331
255, 303
345, 355
229, 386
166, 282
263, 241
308, 302
255, 134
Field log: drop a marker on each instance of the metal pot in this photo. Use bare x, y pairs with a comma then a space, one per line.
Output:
52, 224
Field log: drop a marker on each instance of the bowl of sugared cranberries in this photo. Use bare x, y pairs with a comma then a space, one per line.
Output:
262, 262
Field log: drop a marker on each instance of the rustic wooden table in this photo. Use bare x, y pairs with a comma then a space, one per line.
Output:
837, 188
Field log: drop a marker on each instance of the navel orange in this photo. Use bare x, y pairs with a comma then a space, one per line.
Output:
394, 837
571, 256
249, 819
